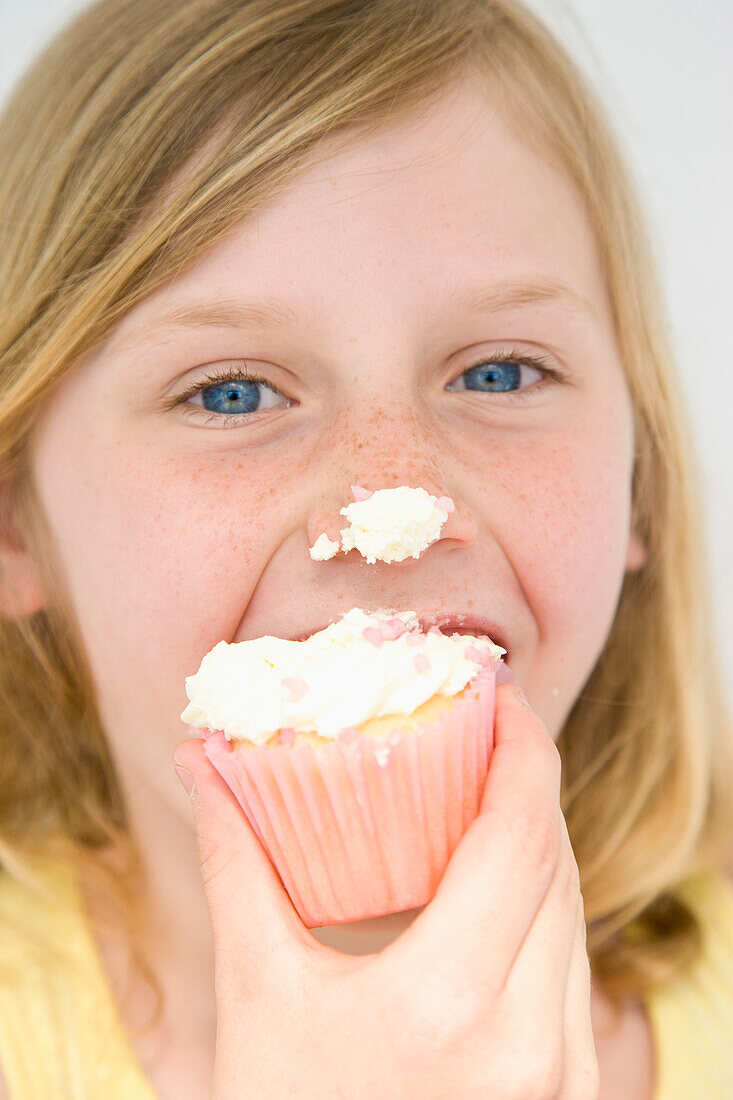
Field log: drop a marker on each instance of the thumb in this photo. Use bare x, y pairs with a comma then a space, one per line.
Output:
501, 869
252, 916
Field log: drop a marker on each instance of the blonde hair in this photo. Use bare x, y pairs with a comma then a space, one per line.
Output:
122, 105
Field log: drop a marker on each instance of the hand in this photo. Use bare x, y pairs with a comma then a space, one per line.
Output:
485, 995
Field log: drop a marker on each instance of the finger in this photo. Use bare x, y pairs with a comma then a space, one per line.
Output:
502, 868
537, 981
252, 917
581, 1079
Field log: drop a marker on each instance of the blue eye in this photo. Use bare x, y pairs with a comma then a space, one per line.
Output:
232, 397
233, 393
495, 377
500, 374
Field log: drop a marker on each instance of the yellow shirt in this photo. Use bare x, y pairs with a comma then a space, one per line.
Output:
61, 1037
692, 1016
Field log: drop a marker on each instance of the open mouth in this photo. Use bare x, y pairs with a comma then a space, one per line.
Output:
447, 623
464, 624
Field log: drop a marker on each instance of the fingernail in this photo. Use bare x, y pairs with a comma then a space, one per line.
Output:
522, 697
186, 777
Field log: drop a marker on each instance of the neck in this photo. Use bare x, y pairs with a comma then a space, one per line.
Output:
175, 932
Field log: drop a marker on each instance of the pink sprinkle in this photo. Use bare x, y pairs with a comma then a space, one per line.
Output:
392, 628
446, 504
415, 638
287, 737
347, 735
436, 630
421, 663
374, 635
359, 493
480, 656
295, 686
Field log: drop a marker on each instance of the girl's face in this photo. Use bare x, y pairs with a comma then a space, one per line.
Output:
364, 295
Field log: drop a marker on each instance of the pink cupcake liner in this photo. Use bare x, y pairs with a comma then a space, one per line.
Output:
366, 827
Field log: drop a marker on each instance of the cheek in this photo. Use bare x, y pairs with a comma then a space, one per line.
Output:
573, 560
558, 504
573, 512
161, 554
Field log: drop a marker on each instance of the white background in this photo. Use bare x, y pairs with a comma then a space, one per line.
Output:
663, 67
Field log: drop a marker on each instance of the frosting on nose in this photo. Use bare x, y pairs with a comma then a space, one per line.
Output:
386, 524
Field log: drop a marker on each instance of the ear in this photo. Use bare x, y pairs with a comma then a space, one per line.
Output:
21, 593
636, 553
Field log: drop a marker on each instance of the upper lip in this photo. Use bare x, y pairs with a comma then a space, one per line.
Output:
446, 621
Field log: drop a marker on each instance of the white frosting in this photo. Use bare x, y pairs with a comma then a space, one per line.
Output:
388, 525
393, 524
336, 678
324, 548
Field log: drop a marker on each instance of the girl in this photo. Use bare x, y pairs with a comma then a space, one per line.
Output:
254, 252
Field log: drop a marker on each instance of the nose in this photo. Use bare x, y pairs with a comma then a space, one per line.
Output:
459, 529
378, 446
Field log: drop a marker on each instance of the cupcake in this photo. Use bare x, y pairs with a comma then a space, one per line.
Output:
358, 755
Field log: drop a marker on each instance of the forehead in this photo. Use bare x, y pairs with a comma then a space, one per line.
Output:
443, 198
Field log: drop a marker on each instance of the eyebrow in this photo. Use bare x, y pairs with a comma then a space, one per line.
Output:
508, 295
272, 311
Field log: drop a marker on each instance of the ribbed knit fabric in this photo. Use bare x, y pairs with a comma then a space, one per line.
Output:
61, 1037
